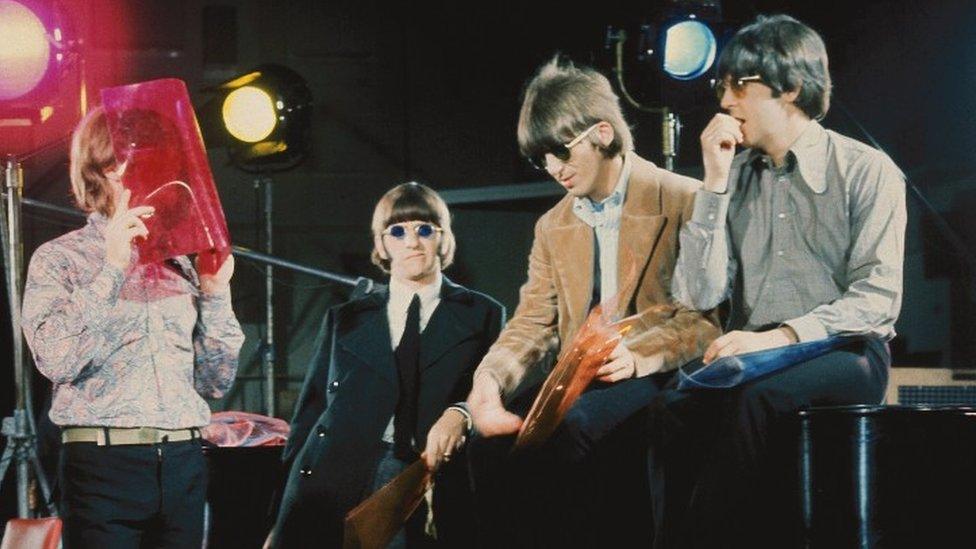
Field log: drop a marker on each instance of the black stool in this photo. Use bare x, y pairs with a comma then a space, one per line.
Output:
888, 476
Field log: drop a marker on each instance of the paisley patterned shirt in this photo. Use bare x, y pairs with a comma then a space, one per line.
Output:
126, 349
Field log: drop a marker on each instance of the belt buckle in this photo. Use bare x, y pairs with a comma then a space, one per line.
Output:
148, 435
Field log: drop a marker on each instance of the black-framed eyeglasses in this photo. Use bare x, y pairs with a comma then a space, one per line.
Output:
422, 230
561, 151
719, 84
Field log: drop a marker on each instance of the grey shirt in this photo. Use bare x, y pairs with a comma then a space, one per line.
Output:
817, 245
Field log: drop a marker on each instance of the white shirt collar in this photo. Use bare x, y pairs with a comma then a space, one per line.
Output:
401, 294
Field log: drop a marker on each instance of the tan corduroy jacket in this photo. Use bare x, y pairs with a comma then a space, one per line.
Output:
554, 301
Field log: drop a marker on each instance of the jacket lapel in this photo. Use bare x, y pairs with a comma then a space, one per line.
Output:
448, 326
641, 224
369, 337
572, 255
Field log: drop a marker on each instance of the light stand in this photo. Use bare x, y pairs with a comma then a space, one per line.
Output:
268, 354
19, 431
670, 123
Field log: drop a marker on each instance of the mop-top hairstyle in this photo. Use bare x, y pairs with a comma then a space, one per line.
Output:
561, 101
413, 202
787, 54
91, 156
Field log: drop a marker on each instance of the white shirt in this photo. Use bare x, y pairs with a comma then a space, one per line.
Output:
400, 297
396, 314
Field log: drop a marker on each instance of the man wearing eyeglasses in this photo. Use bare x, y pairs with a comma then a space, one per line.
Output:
613, 240
803, 232
387, 385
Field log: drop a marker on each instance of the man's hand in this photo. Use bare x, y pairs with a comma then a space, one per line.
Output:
489, 415
124, 226
621, 364
446, 436
219, 281
738, 342
718, 141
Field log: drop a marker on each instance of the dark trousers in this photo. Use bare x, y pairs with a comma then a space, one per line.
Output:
723, 463
586, 487
132, 496
412, 534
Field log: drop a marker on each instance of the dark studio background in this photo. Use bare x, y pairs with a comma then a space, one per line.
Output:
429, 91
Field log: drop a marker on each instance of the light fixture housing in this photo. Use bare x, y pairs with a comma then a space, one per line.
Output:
263, 118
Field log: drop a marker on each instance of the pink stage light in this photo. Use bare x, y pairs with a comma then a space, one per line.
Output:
24, 50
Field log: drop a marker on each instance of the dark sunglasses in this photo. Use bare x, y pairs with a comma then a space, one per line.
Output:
422, 230
561, 151
719, 84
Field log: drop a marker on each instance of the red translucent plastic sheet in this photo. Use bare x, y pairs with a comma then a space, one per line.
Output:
375, 521
245, 429
156, 138
574, 371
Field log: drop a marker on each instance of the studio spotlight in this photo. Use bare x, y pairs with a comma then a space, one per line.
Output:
264, 118
676, 46
40, 75
689, 49
24, 50
680, 41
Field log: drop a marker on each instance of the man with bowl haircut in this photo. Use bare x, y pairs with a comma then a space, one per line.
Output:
804, 233
387, 385
614, 235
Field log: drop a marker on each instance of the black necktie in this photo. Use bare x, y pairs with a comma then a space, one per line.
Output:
595, 298
407, 356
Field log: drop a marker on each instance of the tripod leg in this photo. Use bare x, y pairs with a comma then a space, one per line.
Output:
8, 455
42, 481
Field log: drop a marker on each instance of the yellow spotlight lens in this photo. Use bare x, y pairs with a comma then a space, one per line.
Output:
249, 114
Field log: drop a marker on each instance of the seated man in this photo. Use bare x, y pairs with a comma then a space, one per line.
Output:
804, 232
381, 389
612, 239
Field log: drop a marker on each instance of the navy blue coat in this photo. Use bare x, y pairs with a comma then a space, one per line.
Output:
350, 394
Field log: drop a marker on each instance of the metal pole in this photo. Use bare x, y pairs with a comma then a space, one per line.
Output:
14, 185
670, 134
269, 351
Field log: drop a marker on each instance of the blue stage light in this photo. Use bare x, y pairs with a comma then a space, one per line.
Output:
689, 49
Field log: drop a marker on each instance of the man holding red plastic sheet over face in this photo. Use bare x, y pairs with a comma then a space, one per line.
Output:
133, 346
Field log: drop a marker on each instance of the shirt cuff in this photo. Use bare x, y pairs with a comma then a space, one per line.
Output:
807, 328
462, 408
711, 208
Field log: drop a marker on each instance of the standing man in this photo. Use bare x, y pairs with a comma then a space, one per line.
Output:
804, 232
387, 384
614, 235
132, 351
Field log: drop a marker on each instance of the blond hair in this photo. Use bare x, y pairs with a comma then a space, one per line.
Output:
412, 202
91, 156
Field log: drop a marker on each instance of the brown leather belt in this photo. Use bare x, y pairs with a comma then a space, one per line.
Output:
117, 436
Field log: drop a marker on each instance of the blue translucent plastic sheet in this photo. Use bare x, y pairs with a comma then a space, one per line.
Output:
734, 370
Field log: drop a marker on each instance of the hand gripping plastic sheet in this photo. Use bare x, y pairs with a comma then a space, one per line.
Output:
157, 142
734, 370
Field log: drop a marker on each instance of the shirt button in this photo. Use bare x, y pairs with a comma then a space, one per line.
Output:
334, 386
711, 217
781, 215
779, 253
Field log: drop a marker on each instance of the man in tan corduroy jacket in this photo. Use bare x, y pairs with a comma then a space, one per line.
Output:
614, 235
